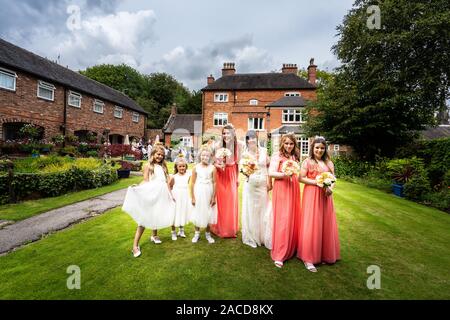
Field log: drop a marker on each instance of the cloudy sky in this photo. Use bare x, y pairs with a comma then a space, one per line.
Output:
189, 39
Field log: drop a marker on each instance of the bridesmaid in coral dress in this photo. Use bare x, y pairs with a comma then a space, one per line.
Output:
318, 237
285, 202
227, 184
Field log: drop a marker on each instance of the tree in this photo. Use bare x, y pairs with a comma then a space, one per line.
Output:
121, 77
392, 80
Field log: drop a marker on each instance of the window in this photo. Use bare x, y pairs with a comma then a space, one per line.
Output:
292, 94
118, 112
74, 99
221, 97
135, 117
292, 116
336, 147
304, 145
253, 102
46, 91
98, 106
220, 118
7, 80
255, 123
186, 141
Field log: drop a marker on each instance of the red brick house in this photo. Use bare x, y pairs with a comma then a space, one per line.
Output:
187, 128
60, 101
271, 103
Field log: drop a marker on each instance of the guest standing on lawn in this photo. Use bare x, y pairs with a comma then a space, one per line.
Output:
285, 201
318, 237
151, 204
256, 206
227, 185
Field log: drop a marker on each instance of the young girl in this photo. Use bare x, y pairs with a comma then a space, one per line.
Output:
179, 183
285, 202
227, 186
256, 207
151, 204
318, 236
203, 191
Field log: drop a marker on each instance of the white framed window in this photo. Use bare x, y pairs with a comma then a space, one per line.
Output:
8, 80
135, 117
292, 94
98, 106
255, 123
221, 97
292, 116
118, 112
253, 102
74, 99
303, 143
220, 118
46, 91
336, 147
186, 141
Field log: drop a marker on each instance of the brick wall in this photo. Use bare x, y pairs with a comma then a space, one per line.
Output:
23, 105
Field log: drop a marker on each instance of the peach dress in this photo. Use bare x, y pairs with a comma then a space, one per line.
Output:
286, 212
227, 200
318, 237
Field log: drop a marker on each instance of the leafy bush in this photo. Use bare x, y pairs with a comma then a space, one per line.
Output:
403, 170
440, 200
350, 167
417, 187
69, 151
92, 153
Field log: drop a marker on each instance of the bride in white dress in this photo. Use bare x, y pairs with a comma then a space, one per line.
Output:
256, 205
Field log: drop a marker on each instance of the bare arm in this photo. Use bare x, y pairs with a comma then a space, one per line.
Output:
193, 179
213, 198
171, 182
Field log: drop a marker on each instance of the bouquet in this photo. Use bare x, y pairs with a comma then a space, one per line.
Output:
325, 179
221, 155
290, 167
248, 165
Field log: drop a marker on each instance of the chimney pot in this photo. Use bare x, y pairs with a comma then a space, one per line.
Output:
228, 69
312, 72
289, 68
174, 109
211, 79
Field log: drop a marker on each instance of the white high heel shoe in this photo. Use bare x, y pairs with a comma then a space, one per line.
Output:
155, 239
136, 254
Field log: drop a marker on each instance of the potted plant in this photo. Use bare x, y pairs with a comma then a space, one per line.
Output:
35, 153
401, 171
124, 170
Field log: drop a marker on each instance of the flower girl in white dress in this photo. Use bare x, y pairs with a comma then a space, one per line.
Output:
203, 191
179, 183
151, 203
256, 205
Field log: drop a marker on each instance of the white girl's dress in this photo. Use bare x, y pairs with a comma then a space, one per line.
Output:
202, 213
257, 207
183, 205
150, 204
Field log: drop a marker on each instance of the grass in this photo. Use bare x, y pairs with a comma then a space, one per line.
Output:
27, 209
408, 241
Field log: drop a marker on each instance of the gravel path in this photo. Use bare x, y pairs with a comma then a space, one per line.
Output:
15, 235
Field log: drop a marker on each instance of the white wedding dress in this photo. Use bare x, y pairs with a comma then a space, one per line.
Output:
256, 207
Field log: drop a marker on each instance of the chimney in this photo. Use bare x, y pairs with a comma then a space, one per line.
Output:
289, 68
312, 68
228, 69
173, 112
211, 79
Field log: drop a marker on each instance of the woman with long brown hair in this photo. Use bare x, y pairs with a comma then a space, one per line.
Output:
285, 202
227, 186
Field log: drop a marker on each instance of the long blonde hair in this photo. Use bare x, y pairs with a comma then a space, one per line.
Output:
295, 151
152, 161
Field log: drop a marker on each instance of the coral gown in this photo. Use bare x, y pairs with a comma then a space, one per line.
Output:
318, 237
286, 212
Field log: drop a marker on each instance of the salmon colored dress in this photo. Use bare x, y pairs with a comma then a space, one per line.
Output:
318, 238
227, 200
286, 212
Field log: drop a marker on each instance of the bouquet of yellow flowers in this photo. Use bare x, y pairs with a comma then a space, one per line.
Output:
290, 167
325, 179
221, 155
248, 165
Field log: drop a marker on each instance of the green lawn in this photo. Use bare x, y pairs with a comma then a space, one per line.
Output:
27, 209
409, 242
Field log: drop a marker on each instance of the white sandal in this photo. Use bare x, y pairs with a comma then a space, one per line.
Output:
136, 254
155, 239
279, 264
310, 267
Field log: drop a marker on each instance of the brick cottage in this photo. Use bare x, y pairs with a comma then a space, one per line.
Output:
271, 103
60, 101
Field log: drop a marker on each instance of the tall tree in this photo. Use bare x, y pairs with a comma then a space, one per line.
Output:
392, 80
